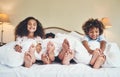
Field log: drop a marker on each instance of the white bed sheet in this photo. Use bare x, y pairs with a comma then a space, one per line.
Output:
58, 70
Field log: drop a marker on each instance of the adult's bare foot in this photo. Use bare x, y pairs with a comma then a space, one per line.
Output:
65, 47
32, 53
68, 57
27, 60
45, 59
50, 51
32, 49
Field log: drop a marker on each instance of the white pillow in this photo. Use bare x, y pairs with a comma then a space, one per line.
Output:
112, 53
72, 40
9, 57
72, 35
76, 35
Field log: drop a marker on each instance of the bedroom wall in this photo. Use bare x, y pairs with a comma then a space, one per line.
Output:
69, 14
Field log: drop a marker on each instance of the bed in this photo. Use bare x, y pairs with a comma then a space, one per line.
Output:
58, 70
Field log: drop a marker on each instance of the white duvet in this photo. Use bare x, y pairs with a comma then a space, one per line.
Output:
9, 57
112, 51
13, 59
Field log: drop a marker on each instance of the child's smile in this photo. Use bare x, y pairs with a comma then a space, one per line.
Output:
93, 33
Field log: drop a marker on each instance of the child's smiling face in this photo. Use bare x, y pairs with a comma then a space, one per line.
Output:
32, 25
93, 33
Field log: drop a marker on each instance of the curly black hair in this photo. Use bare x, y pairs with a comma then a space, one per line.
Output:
93, 23
21, 28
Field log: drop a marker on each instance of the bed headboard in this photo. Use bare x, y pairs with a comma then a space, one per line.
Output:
58, 30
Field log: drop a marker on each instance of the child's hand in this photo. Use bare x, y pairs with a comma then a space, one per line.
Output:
38, 47
91, 51
95, 52
100, 51
18, 48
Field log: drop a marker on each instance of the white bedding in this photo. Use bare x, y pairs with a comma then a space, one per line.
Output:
112, 50
57, 70
112, 53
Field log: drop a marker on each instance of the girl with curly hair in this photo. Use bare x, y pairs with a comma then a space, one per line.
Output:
93, 29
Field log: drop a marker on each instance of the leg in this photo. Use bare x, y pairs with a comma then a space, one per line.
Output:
65, 47
99, 62
50, 51
94, 57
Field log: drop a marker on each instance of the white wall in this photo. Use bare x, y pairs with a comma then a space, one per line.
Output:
70, 14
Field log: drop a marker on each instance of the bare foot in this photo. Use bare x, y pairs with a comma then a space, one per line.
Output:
67, 57
45, 59
50, 51
32, 49
99, 62
27, 60
95, 55
32, 53
65, 45
65, 48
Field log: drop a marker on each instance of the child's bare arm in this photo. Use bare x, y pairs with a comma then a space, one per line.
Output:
102, 46
85, 43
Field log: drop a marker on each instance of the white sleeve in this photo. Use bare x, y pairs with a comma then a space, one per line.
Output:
38, 40
19, 40
102, 38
